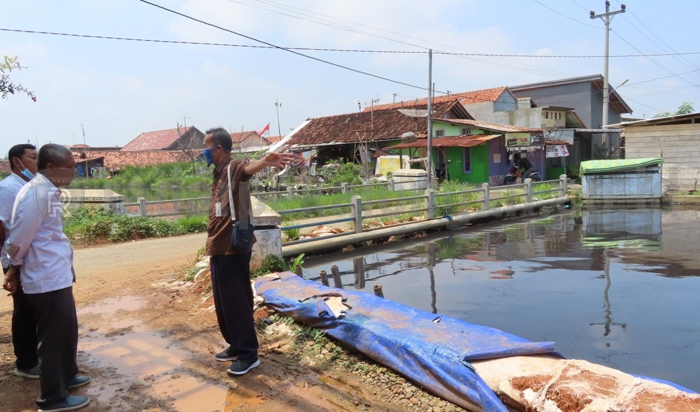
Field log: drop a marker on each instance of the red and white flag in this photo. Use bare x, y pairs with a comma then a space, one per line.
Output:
264, 129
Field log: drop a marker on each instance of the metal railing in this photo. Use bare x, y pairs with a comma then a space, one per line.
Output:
361, 211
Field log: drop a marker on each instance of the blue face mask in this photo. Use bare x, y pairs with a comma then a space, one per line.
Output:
208, 157
25, 172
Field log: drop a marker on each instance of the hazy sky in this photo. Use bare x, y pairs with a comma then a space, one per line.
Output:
118, 89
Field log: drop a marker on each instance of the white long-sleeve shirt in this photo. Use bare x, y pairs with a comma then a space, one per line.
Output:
37, 241
9, 187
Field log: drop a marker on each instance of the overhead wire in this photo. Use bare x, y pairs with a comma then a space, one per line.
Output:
284, 49
656, 35
303, 12
254, 46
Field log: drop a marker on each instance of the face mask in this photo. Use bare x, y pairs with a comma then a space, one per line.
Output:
208, 157
25, 172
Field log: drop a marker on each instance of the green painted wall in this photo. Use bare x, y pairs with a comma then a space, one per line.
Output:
480, 165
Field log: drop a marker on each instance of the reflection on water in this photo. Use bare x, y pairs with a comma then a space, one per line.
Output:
616, 287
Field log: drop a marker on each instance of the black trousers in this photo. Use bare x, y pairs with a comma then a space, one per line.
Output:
57, 332
233, 300
23, 330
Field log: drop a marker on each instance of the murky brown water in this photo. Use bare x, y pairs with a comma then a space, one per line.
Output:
140, 359
615, 287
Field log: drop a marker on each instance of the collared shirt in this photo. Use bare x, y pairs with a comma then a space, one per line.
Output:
220, 227
37, 241
9, 187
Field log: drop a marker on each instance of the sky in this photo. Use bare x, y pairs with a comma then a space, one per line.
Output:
113, 90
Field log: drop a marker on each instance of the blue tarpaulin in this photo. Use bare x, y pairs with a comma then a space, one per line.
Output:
432, 351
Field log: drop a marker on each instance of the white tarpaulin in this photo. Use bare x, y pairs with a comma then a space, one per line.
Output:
557, 151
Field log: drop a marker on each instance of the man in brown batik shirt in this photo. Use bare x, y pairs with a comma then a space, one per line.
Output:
230, 269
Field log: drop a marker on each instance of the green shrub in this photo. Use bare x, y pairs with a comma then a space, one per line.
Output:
271, 263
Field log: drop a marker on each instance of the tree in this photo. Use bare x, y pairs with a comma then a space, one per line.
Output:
685, 108
6, 85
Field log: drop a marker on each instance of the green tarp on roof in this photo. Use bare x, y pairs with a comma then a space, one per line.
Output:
618, 165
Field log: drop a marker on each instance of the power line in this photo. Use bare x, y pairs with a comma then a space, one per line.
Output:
253, 46
564, 15
658, 37
666, 77
284, 49
303, 12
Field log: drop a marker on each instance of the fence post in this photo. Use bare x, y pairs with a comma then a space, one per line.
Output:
142, 206
344, 187
392, 184
528, 190
290, 192
487, 196
430, 204
563, 185
337, 281
356, 211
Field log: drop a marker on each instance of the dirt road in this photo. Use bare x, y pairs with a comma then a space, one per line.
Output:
148, 339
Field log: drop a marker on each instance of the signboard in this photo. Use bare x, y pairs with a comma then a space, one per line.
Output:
496, 180
557, 151
524, 139
517, 139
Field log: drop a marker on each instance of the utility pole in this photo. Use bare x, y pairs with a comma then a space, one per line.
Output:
429, 162
606, 17
277, 106
83, 127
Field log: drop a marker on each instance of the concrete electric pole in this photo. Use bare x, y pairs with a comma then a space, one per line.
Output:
277, 106
606, 17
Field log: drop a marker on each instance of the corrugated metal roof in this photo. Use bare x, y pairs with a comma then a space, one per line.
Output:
452, 141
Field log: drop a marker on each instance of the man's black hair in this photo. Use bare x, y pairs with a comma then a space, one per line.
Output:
18, 151
220, 136
53, 153
516, 156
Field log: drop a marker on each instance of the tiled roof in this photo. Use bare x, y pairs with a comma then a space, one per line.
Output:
452, 141
494, 127
354, 127
240, 137
156, 140
116, 160
273, 139
476, 96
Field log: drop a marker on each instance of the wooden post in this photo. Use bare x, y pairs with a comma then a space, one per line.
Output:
336, 277
378, 291
324, 278
298, 270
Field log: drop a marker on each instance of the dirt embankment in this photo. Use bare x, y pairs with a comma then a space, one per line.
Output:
148, 339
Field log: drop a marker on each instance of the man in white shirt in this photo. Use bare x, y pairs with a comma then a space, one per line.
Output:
41, 254
23, 166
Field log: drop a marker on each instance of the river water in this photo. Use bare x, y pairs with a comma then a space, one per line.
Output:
618, 287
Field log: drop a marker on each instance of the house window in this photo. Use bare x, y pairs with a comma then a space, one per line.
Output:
467, 159
439, 133
546, 115
466, 132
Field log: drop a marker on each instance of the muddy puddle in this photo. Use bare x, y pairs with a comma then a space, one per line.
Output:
136, 362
